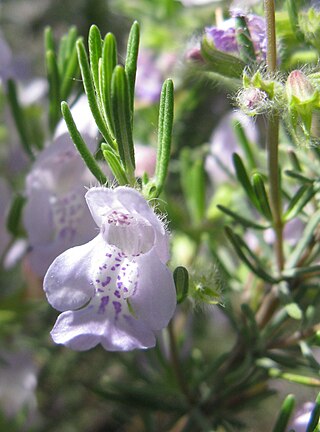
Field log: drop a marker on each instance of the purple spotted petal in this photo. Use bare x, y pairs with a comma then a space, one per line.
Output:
106, 318
110, 294
67, 283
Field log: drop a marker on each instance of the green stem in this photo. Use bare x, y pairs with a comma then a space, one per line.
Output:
271, 35
177, 368
273, 139
270, 302
275, 197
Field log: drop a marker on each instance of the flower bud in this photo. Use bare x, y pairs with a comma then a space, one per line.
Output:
206, 289
181, 281
253, 101
299, 88
303, 98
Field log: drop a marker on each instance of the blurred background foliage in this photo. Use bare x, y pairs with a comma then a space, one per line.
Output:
97, 391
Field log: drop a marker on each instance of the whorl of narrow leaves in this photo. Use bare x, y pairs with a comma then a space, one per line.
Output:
81, 145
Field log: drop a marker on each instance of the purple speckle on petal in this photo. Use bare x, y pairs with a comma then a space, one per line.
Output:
103, 304
117, 307
107, 280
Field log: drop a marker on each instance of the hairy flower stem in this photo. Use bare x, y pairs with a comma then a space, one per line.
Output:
271, 35
270, 302
273, 139
275, 197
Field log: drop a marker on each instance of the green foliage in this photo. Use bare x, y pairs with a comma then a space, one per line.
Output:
62, 71
81, 145
222, 63
285, 413
246, 286
20, 119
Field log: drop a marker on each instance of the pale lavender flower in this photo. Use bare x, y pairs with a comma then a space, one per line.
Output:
302, 417
18, 382
115, 290
56, 216
224, 36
